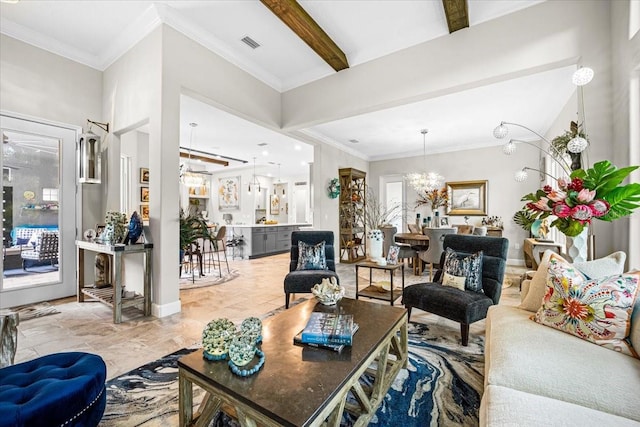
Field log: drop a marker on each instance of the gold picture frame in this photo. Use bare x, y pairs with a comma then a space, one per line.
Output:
144, 175
144, 194
467, 198
144, 212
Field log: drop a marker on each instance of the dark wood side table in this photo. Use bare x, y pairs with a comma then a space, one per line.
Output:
375, 292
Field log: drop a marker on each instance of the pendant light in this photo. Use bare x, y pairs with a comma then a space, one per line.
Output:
425, 181
254, 180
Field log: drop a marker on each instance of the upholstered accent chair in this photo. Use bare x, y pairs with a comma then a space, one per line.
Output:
301, 281
463, 306
431, 256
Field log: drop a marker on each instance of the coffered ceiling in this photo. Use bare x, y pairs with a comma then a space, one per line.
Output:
96, 33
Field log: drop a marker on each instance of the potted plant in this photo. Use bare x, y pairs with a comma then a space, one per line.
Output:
192, 227
377, 215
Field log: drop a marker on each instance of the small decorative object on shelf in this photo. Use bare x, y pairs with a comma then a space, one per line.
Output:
89, 234
334, 188
328, 292
492, 221
116, 227
135, 229
216, 337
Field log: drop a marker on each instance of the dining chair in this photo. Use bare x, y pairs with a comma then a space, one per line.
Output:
220, 245
436, 237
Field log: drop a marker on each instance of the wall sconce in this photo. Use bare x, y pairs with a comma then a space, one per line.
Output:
90, 155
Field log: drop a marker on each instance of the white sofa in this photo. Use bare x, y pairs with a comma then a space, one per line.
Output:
539, 376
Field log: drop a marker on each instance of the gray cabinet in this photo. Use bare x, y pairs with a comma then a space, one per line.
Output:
271, 240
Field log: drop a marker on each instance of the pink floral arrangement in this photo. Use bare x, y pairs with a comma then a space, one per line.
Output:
592, 194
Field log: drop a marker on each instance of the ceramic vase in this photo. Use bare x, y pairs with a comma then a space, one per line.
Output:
577, 247
374, 244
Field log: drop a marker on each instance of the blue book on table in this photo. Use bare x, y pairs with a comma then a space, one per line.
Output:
328, 328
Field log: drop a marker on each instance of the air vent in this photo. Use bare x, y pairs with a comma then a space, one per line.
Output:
354, 141
300, 183
250, 42
262, 144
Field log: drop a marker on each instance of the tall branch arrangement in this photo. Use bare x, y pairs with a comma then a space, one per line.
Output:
377, 213
433, 198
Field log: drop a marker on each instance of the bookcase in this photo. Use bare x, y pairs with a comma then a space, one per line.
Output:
351, 214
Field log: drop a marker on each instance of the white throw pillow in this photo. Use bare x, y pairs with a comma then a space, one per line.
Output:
607, 266
634, 333
601, 267
453, 281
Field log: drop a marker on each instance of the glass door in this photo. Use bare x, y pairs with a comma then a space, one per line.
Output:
39, 212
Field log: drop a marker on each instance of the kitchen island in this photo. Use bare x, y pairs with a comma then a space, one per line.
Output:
263, 239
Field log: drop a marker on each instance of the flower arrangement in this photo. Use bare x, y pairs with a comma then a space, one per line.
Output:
433, 198
595, 193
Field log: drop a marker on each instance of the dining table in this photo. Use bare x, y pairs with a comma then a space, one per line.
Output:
418, 241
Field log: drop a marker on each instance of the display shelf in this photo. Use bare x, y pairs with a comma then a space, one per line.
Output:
351, 214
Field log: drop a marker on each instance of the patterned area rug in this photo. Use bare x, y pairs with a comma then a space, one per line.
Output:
32, 311
210, 279
441, 386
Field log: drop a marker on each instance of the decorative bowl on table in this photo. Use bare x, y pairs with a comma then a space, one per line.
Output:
216, 337
328, 292
252, 327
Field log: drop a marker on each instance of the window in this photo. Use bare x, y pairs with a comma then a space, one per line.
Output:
49, 194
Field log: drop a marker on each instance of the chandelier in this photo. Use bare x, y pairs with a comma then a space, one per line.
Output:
425, 181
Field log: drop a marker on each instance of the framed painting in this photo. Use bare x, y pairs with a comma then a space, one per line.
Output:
467, 198
144, 212
229, 193
274, 204
144, 194
144, 175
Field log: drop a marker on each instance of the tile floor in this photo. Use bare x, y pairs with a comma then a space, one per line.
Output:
137, 340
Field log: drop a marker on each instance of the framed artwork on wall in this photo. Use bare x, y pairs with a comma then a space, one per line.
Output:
144, 194
144, 175
144, 212
467, 197
229, 193
274, 204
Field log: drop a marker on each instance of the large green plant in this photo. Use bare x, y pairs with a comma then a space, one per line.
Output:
596, 192
192, 227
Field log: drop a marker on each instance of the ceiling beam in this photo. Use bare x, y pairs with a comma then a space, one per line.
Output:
457, 14
203, 158
296, 18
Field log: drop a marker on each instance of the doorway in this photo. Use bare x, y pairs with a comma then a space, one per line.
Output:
39, 211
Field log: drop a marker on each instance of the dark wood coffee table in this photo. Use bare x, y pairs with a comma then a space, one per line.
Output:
299, 385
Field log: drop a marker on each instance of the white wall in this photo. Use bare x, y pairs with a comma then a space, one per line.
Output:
538, 38
625, 66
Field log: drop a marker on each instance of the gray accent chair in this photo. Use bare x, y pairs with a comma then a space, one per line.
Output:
460, 306
301, 281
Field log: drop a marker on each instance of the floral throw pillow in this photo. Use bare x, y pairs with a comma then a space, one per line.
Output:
597, 310
311, 257
469, 267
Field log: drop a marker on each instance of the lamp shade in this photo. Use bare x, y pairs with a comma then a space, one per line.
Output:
89, 158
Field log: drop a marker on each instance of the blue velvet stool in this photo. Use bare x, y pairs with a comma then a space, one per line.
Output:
62, 389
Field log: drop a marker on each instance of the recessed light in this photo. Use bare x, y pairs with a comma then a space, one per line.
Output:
265, 153
297, 147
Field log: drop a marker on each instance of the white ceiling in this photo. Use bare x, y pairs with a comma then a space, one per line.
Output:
96, 33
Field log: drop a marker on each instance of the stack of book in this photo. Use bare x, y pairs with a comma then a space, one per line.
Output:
328, 330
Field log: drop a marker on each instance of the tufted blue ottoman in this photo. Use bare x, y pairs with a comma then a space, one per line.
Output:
62, 389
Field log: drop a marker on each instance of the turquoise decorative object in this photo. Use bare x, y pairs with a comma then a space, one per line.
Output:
242, 349
247, 372
252, 327
540, 228
216, 337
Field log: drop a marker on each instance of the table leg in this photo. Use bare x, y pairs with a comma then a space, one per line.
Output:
80, 264
356, 282
185, 406
147, 282
391, 274
117, 288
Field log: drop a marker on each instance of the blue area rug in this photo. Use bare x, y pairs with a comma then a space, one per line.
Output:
441, 386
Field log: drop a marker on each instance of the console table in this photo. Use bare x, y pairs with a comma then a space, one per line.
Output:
533, 250
112, 295
373, 291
